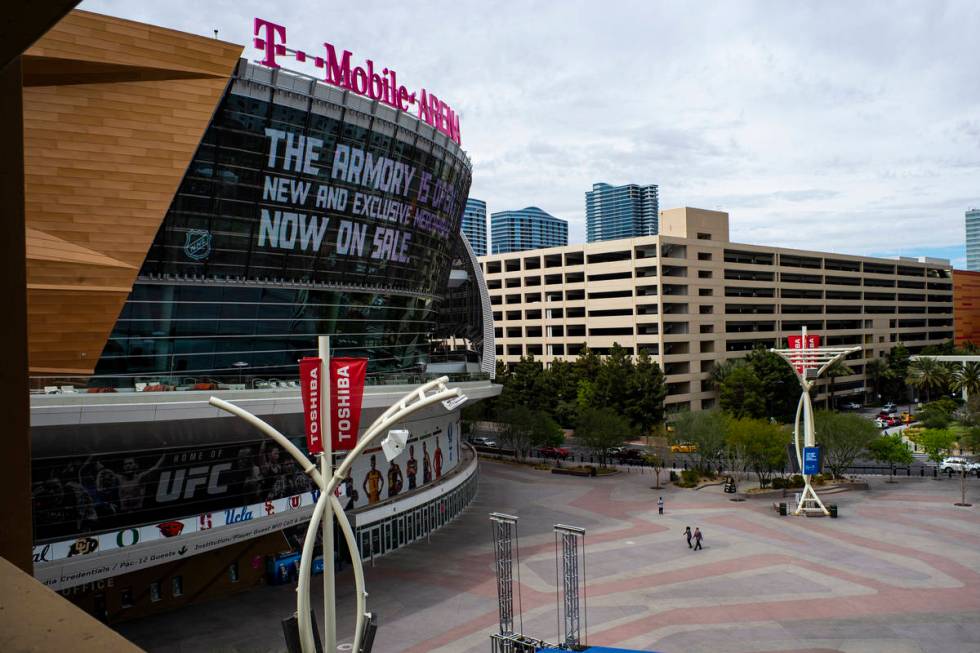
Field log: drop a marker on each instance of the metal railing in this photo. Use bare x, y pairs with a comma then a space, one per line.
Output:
177, 383
516, 643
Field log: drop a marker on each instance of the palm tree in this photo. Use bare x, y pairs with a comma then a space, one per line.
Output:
837, 368
874, 371
719, 371
927, 374
967, 378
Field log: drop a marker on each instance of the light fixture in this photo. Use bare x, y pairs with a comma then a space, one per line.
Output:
395, 443
454, 402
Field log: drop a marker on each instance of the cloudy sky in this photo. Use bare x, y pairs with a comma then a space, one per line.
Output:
844, 126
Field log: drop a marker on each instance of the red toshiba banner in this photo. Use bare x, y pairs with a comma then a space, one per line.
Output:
310, 378
796, 342
346, 392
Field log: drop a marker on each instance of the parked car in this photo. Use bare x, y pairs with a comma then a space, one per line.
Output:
890, 408
628, 456
881, 422
851, 405
957, 463
481, 441
683, 447
559, 453
906, 417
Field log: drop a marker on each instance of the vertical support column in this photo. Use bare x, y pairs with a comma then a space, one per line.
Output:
16, 533
326, 472
502, 530
567, 542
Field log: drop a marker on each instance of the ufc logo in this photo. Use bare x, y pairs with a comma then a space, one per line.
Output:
184, 482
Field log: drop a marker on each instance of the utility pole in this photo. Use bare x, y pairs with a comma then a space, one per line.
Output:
326, 471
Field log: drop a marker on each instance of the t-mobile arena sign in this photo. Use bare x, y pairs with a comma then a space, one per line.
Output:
270, 38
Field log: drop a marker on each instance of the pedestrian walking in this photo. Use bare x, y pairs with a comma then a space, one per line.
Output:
687, 533
660, 505
697, 538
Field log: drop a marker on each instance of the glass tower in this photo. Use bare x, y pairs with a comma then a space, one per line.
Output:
475, 225
627, 211
973, 240
529, 228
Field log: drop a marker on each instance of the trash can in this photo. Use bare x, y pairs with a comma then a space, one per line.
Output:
832, 507
782, 509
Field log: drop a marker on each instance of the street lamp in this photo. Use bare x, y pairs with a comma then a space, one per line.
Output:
430, 393
809, 360
241, 365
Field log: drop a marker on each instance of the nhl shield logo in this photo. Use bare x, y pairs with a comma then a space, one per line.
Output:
197, 247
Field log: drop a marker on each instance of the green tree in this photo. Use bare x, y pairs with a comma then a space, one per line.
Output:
967, 377
970, 439
525, 429
875, 371
645, 390
834, 370
890, 450
705, 429
927, 374
898, 367
612, 380
721, 370
563, 377
658, 454
780, 388
601, 429
763, 444
742, 393
936, 443
969, 413
843, 436
587, 365
937, 414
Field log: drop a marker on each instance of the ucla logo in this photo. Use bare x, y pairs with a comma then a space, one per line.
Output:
197, 246
236, 516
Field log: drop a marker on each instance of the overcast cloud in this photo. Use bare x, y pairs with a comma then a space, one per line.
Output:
844, 126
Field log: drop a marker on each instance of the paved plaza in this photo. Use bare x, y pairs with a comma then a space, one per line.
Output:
898, 572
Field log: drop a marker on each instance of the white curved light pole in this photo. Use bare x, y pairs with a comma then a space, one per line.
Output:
804, 361
410, 403
310, 470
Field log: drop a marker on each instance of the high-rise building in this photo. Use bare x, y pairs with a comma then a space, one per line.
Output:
627, 211
530, 228
475, 225
973, 240
691, 298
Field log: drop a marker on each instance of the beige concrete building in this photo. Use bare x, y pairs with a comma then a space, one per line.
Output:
691, 298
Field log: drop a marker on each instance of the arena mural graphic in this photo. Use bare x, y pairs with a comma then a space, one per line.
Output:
82, 505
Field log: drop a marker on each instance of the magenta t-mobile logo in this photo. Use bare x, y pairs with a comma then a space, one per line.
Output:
377, 84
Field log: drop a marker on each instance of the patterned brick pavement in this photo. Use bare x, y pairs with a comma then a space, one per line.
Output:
898, 572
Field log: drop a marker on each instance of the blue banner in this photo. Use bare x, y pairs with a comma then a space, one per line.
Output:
811, 460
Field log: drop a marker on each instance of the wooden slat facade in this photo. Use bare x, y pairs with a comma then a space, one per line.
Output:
966, 306
113, 112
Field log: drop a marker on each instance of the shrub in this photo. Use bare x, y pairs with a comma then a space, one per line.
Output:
796, 480
689, 478
673, 476
778, 483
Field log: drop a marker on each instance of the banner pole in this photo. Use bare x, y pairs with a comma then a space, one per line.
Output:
326, 472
